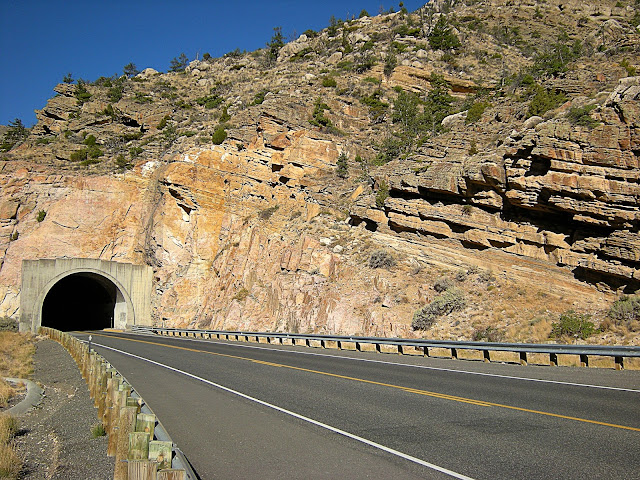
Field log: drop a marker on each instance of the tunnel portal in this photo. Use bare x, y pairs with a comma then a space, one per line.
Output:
82, 301
83, 294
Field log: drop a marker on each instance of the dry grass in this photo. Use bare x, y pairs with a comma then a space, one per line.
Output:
16, 354
16, 360
10, 462
6, 392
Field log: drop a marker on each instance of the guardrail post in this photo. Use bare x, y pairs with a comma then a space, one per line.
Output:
553, 360
425, 351
454, 353
358, 346
160, 452
584, 360
400, 350
523, 358
126, 425
339, 344
142, 470
138, 446
378, 349
486, 355
619, 363
171, 475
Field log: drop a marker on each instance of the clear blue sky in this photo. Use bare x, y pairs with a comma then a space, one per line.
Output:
41, 41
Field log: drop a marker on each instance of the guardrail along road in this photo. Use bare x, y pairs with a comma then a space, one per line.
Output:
239, 410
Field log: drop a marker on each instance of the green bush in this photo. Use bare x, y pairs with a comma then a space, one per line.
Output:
179, 64
553, 60
224, 116
98, 430
258, 98
130, 70
41, 216
89, 140
382, 194
342, 167
442, 36
442, 284
582, 116
16, 134
318, 119
135, 151
81, 93
210, 102
544, 100
475, 112
381, 259
390, 63
377, 108
329, 82
163, 122
219, 136
572, 324
389, 149
275, 44
79, 155
625, 310
488, 334
127, 137
449, 301
115, 93
122, 162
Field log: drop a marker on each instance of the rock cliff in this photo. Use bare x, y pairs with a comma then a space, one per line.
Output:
529, 212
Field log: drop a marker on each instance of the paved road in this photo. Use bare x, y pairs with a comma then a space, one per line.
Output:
422, 417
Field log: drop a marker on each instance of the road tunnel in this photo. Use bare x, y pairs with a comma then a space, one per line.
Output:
82, 301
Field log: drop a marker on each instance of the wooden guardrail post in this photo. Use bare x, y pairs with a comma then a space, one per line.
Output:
138, 446
145, 423
126, 425
619, 363
486, 356
171, 475
142, 470
160, 452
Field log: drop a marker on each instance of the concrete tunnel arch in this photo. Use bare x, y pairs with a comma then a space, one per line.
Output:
83, 294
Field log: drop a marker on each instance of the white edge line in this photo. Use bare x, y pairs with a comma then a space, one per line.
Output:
510, 377
300, 417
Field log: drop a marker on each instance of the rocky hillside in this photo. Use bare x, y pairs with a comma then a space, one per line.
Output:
471, 167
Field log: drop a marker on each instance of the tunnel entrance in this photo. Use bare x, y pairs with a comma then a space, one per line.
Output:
82, 301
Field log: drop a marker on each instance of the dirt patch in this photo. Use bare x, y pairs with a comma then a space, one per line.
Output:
55, 438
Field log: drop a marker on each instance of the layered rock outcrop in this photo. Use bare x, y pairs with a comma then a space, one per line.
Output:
531, 215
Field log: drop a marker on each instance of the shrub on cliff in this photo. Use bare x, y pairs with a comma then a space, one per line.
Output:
219, 136
625, 310
382, 194
451, 300
81, 93
342, 165
329, 82
572, 324
381, 259
582, 116
544, 100
178, 64
442, 36
16, 134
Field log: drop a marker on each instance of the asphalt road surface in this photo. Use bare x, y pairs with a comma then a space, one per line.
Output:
241, 410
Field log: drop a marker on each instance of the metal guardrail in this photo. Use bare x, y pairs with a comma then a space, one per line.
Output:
553, 350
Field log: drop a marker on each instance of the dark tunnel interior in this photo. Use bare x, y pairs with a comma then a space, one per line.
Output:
82, 301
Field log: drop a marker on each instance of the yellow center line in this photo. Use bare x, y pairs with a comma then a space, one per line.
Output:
381, 384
